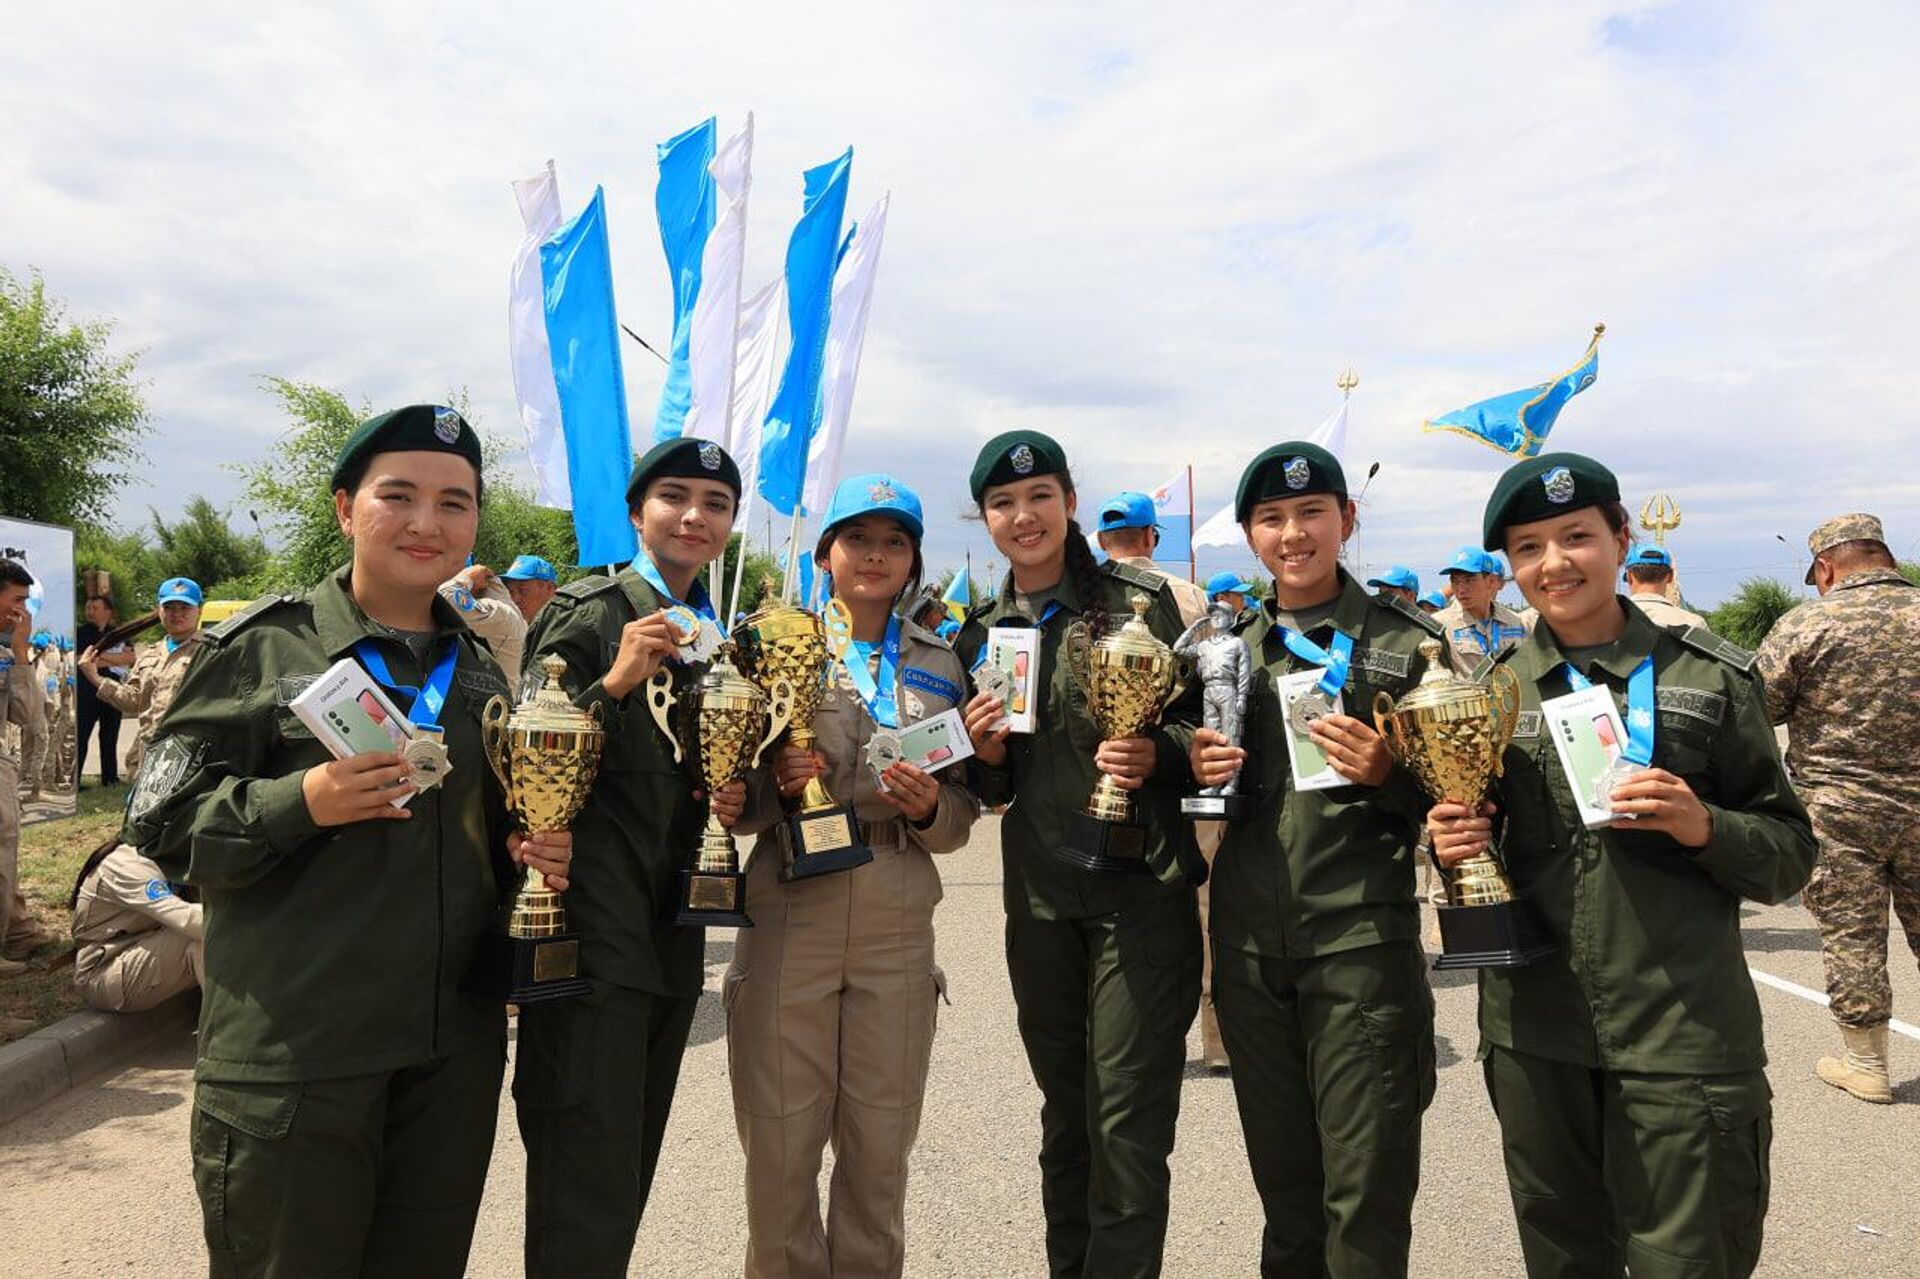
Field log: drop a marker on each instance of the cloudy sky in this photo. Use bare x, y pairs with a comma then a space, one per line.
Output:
1158, 232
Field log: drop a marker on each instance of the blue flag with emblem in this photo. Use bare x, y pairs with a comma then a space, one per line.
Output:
1517, 422
683, 202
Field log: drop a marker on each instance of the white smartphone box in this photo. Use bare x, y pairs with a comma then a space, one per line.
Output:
935, 743
351, 715
1016, 650
1311, 768
1589, 737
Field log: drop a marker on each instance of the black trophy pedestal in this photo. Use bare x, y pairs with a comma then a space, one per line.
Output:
1108, 847
527, 970
824, 841
1501, 935
1214, 808
713, 899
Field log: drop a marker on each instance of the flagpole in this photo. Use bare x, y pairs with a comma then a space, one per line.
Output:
793, 556
1193, 563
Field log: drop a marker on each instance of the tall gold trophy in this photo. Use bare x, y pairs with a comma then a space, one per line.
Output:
1452, 733
545, 753
732, 722
1129, 677
780, 642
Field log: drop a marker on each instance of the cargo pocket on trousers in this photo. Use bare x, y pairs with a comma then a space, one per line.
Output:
923, 1019
239, 1159
1403, 1070
553, 1054
1742, 1151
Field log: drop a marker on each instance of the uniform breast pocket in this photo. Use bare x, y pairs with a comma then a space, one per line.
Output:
1689, 760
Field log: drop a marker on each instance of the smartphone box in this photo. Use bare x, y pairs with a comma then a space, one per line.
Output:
1588, 736
1311, 768
1016, 650
933, 744
351, 715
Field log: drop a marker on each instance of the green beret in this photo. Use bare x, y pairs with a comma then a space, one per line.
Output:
429, 428
1542, 487
687, 457
1293, 469
1015, 455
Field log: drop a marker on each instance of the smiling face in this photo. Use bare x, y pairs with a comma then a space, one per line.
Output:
1027, 520
13, 605
412, 520
684, 522
871, 558
1566, 567
1299, 540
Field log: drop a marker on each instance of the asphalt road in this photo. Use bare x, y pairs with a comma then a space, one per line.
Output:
98, 1182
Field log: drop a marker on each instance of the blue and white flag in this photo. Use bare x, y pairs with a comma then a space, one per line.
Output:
714, 338
812, 253
532, 362
683, 201
590, 386
807, 582
1518, 422
758, 359
1173, 511
846, 337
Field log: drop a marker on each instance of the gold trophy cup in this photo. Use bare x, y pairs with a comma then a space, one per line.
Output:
780, 642
733, 721
545, 753
1129, 677
1452, 733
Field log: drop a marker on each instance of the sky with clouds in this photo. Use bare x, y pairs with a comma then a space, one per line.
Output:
1157, 232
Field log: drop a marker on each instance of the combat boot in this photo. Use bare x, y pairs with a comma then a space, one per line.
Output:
1862, 1069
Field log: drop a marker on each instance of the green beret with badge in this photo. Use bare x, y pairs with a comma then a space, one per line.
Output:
684, 458
1015, 455
418, 428
1541, 488
1292, 469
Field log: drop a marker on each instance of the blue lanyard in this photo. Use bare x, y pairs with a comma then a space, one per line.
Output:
172, 643
979, 658
1639, 747
697, 598
427, 701
880, 694
1334, 676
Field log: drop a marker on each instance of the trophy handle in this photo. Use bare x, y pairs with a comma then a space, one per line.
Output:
779, 715
1503, 689
660, 701
837, 620
493, 738
1384, 723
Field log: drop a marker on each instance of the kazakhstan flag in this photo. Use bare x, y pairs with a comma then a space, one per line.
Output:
1518, 421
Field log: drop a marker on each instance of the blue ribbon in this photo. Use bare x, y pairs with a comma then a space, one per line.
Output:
1053, 606
697, 598
879, 694
1639, 747
427, 700
1334, 675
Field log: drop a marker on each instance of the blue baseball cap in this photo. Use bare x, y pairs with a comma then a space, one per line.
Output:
529, 568
1129, 510
1471, 559
876, 494
1434, 598
1227, 580
180, 590
1397, 575
1654, 555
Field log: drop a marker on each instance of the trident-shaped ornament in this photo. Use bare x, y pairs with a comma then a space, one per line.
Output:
1660, 516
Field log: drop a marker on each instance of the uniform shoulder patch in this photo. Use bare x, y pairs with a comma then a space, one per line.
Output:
1394, 604
1133, 575
251, 614
1700, 639
587, 587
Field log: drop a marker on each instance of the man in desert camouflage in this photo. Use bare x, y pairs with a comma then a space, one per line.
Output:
1843, 673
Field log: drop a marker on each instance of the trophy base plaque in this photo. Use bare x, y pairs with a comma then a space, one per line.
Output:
527, 970
713, 899
1214, 808
1098, 845
1495, 935
823, 841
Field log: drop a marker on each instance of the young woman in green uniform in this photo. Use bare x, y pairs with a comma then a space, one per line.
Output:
1318, 977
1105, 965
347, 1082
1626, 1070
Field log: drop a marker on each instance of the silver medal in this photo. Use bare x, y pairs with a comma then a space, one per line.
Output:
427, 758
1308, 707
995, 681
1610, 779
883, 751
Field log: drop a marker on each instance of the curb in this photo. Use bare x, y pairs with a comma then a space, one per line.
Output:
39, 1067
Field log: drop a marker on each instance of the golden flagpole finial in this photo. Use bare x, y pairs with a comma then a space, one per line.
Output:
1347, 381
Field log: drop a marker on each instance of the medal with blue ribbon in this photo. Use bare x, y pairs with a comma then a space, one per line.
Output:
426, 752
879, 694
1317, 702
1637, 754
696, 625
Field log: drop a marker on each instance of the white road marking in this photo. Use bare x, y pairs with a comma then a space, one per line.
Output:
1897, 1026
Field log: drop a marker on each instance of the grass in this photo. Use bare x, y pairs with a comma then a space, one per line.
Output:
51, 854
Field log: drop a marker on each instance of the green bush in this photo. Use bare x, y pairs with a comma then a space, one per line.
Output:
1750, 612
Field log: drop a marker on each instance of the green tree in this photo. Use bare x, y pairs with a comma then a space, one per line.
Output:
1910, 569
203, 546
71, 412
1750, 612
127, 557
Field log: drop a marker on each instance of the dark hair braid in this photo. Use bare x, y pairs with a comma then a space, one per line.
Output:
1088, 581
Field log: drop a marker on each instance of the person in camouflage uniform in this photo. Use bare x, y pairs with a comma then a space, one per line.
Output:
1843, 673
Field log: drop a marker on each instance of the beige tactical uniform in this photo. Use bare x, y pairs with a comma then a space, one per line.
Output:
1662, 611
149, 689
831, 997
1470, 642
494, 617
136, 943
20, 701
1191, 600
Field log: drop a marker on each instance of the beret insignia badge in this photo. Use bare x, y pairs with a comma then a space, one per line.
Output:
710, 455
1299, 472
446, 425
1021, 459
1559, 485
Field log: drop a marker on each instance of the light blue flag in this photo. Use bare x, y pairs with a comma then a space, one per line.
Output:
805, 580
576, 273
812, 253
684, 204
1518, 422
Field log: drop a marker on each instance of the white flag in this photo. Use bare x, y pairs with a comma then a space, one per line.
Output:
762, 355
539, 198
1222, 529
846, 334
1331, 434
714, 331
